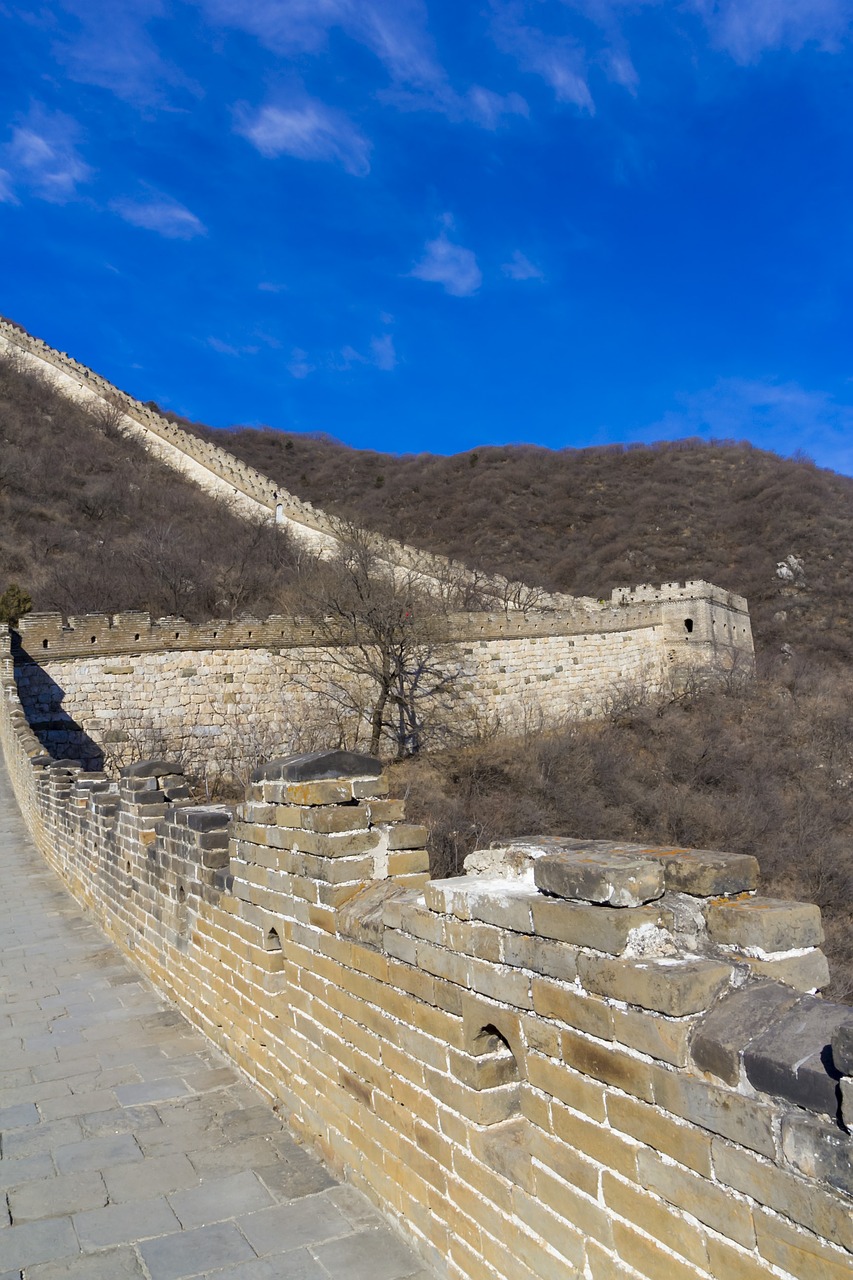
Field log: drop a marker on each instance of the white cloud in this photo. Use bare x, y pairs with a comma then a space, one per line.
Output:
520, 267
558, 60
488, 109
383, 353
450, 265
42, 155
7, 192
747, 28
223, 348
782, 416
161, 214
299, 366
309, 131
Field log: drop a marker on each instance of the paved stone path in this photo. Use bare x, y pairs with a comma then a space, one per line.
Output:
130, 1147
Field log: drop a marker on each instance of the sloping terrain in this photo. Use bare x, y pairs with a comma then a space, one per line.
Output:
586, 520
90, 522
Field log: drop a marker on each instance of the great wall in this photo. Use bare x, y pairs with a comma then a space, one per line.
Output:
581, 1059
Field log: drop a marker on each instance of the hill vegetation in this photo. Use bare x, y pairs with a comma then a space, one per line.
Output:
90, 522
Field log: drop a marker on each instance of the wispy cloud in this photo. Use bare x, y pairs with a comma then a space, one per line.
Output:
307, 131
299, 366
783, 416
7, 192
450, 265
161, 214
112, 49
42, 156
557, 59
748, 28
382, 355
520, 267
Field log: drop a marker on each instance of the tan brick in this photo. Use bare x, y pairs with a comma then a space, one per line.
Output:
334, 819
682, 1142
369, 788
651, 1215
667, 1039
498, 982
585, 1013
475, 939
603, 1266
602, 928
549, 1228
675, 987
505, 1149
649, 1258
580, 1211
324, 792
404, 835
385, 811
603, 1145
443, 963
800, 1252
482, 1181
807, 973
722, 1111
487, 1107
568, 1086
607, 1064
408, 862
715, 1207
563, 1160
735, 1264
827, 1215
485, 1072
773, 924
541, 955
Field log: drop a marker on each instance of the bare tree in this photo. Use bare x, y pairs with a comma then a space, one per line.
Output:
386, 641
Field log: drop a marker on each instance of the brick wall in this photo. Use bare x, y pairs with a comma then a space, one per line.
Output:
236, 686
580, 1059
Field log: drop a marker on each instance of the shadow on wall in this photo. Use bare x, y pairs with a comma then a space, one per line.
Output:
57, 731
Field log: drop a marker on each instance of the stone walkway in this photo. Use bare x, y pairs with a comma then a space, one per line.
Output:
130, 1147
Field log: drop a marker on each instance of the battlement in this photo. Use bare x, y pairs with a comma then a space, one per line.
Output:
581, 1059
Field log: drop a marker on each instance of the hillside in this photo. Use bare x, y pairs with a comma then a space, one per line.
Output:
586, 520
90, 522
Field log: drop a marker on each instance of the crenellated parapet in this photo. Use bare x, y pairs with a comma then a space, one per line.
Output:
580, 1059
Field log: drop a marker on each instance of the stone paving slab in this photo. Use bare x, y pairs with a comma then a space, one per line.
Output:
130, 1148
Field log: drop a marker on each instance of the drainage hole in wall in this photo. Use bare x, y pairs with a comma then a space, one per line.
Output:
182, 894
44, 644
688, 625
272, 941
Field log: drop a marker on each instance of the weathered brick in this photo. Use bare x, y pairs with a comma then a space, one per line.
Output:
793, 1058
406, 836
540, 955
619, 880
600, 927
809, 972
697, 1196
719, 1110
773, 924
660, 1037
585, 1013
682, 1142
819, 1150
607, 1064
575, 1090
672, 986
613, 1150
658, 1219
799, 1252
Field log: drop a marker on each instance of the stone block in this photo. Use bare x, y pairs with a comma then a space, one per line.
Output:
317, 766
706, 873
599, 927
407, 836
809, 972
617, 880
151, 769
671, 985
819, 1150
842, 1049
793, 1058
770, 924
733, 1022
203, 817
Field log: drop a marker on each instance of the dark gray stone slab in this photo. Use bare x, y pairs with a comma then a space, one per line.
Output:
819, 1150
218, 1199
371, 1255
731, 1024
318, 765
151, 769
793, 1057
842, 1049
292, 1226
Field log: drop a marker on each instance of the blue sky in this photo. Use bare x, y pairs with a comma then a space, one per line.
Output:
424, 225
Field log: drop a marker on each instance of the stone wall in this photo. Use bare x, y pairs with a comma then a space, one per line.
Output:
252, 686
580, 1060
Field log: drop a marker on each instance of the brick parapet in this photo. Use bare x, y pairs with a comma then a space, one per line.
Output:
534, 1084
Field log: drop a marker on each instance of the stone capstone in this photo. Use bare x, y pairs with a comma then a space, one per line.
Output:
151, 769
734, 1022
614, 879
317, 766
793, 1058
